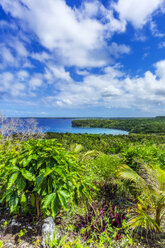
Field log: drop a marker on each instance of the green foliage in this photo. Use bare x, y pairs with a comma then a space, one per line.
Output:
143, 220
21, 233
134, 125
104, 166
56, 241
1, 243
76, 148
108, 144
99, 241
41, 175
148, 153
150, 188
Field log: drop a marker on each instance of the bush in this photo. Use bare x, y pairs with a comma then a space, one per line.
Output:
42, 176
104, 166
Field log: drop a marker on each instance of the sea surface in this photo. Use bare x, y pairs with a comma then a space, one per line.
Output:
65, 126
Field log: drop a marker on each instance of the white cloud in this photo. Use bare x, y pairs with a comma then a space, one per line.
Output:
22, 75
117, 50
9, 86
35, 82
59, 72
27, 64
91, 8
76, 36
138, 12
42, 57
20, 48
93, 90
6, 25
6, 54
13, 52
160, 69
155, 31
20, 85
114, 89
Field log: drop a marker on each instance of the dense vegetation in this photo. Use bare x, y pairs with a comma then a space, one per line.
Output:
42, 171
105, 143
102, 190
137, 125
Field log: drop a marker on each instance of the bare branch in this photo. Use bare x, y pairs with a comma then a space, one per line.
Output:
19, 128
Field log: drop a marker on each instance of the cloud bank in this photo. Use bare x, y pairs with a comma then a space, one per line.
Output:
66, 57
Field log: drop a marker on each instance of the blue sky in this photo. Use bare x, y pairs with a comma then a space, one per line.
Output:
82, 58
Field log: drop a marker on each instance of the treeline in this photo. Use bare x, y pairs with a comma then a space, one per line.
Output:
105, 143
139, 125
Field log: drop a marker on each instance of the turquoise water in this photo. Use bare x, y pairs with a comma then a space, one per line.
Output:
65, 126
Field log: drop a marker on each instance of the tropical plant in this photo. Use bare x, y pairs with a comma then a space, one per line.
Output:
100, 219
41, 175
149, 186
56, 241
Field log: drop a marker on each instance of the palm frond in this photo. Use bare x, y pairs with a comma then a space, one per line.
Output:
160, 175
143, 220
126, 173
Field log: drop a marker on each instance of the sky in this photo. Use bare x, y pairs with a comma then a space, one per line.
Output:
90, 58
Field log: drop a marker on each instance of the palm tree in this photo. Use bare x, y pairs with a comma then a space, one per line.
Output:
149, 182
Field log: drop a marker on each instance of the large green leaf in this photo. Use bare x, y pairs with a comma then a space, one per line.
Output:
23, 200
48, 199
55, 206
13, 168
12, 179
27, 160
13, 202
14, 161
20, 183
63, 197
7, 195
39, 181
26, 174
60, 171
48, 171
40, 162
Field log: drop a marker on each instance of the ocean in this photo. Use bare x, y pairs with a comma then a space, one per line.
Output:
64, 125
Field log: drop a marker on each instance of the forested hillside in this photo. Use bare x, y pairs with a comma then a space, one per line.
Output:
134, 125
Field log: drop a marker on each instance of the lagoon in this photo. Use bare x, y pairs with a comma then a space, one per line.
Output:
64, 125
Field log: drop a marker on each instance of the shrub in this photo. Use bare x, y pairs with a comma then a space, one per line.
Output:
104, 166
42, 176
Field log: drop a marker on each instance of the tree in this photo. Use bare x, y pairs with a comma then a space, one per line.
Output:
22, 129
